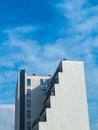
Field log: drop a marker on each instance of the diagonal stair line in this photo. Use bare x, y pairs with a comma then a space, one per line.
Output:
46, 104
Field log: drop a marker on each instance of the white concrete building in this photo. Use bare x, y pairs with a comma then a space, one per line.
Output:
58, 102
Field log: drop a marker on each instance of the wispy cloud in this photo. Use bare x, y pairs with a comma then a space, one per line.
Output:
95, 126
6, 117
24, 53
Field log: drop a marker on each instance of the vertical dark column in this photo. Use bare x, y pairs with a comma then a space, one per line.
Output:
22, 100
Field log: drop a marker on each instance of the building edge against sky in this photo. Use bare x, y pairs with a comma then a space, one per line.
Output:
57, 102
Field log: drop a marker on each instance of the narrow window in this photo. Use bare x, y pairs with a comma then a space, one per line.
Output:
28, 128
46, 82
28, 103
28, 93
43, 91
28, 125
28, 113
28, 82
41, 82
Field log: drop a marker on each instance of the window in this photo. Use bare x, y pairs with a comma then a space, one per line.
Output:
28, 102
28, 125
46, 82
41, 82
43, 91
28, 113
28, 82
28, 128
28, 92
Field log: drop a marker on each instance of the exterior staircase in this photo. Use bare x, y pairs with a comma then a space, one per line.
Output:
65, 106
47, 113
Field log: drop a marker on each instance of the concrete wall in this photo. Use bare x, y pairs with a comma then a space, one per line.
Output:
69, 105
36, 97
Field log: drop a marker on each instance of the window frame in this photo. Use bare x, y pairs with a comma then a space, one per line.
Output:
28, 82
41, 82
28, 114
46, 82
28, 92
43, 92
28, 102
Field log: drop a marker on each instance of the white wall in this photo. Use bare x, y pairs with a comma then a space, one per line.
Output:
36, 97
69, 106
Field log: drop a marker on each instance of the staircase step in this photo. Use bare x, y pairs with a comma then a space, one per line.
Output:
42, 125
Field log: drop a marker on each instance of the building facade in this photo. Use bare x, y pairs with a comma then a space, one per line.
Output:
55, 102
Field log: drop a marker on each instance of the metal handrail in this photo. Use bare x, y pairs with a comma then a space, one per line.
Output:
48, 95
35, 122
49, 91
52, 82
38, 119
42, 110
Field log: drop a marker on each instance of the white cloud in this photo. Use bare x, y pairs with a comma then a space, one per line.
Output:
93, 111
95, 126
54, 50
20, 30
31, 53
82, 20
6, 117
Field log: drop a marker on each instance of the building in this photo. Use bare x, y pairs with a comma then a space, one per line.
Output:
55, 102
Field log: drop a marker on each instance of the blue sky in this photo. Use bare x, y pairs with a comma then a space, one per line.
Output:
36, 35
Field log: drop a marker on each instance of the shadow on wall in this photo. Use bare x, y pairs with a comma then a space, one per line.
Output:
33, 104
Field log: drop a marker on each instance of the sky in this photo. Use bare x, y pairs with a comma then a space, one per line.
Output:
35, 35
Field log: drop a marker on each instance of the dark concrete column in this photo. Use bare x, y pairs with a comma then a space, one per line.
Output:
22, 100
